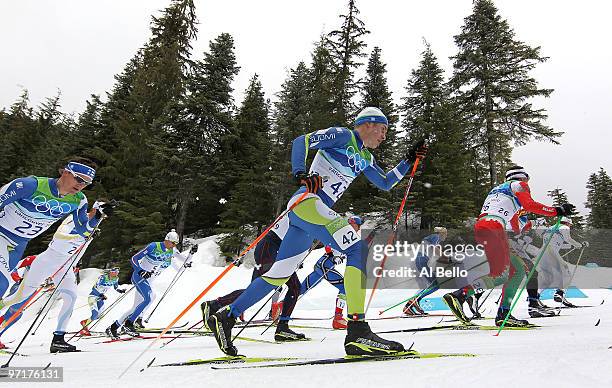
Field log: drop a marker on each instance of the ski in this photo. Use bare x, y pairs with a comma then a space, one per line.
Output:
163, 328
131, 339
410, 316
349, 359
227, 360
4, 351
461, 327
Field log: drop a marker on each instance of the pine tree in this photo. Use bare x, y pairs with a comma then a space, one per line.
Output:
292, 118
375, 92
199, 121
494, 89
321, 101
559, 198
249, 208
346, 47
445, 198
599, 200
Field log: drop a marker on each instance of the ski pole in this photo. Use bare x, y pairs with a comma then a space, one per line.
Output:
484, 300
74, 261
555, 228
42, 318
393, 234
174, 280
576, 267
215, 281
568, 252
180, 334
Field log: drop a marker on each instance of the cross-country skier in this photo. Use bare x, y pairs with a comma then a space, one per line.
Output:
56, 263
342, 156
148, 263
30, 205
428, 246
558, 273
109, 279
265, 254
504, 205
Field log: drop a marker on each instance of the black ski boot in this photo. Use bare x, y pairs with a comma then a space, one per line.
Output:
537, 309
285, 334
128, 328
361, 341
112, 332
59, 345
221, 324
559, 297
208, 308
454, 301
511, 322
138, 325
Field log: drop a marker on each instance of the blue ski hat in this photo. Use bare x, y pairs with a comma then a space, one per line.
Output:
371, 115
82, 169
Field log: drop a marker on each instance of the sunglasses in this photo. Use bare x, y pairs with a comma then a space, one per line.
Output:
78, 178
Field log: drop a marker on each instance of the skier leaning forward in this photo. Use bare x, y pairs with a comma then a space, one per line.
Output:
342, 155
504, 205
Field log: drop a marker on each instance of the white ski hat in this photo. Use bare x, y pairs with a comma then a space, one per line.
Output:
516, 172
371, 115
440, 229
172, 236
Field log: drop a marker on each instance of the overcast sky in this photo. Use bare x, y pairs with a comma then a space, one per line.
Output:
77, 46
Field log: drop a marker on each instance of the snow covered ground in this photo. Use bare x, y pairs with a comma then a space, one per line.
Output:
568, 350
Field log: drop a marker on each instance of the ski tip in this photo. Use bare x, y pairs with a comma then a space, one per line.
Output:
598, 321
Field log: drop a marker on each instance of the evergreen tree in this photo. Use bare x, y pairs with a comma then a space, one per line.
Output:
559, 198
321, 101
291, 119
599, 200
249, 208
199, 121
446, 199
375, 92
346, 47
494, 89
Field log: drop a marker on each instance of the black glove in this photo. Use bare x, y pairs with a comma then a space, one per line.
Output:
193, 249
565, 210
102, 297
187, 265
120, 290
419, 150
145, 274
313, 182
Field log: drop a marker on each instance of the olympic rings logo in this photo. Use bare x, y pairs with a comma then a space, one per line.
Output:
427, 305
54, 207
355, 160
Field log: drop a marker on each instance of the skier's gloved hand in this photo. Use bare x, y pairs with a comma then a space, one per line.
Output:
187, 264
585, 244
145, 274
120, 290
102, 297
418, 150
193, 249
565, 210
313, 182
